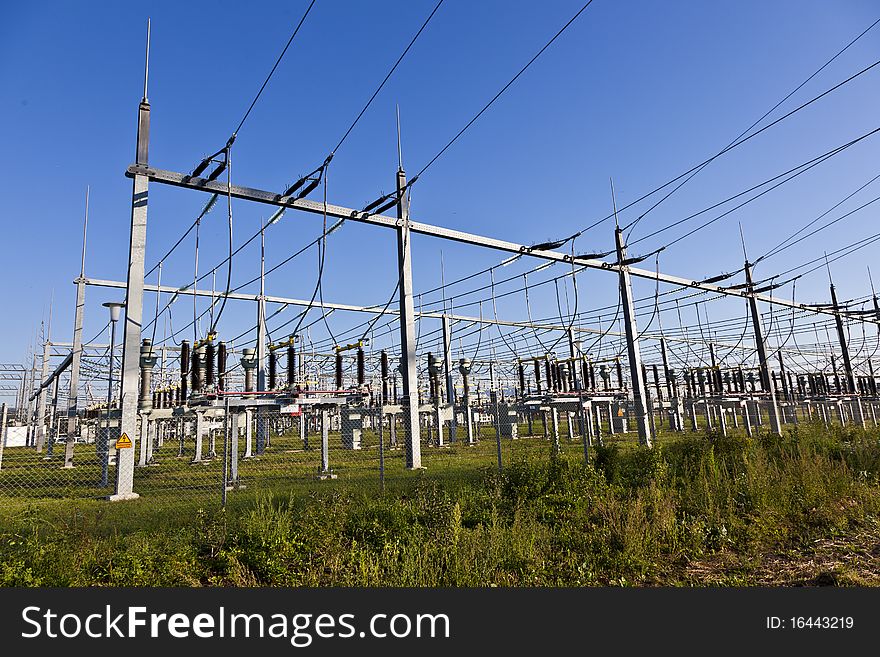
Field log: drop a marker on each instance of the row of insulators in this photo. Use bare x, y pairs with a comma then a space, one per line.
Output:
203, 367
709, 381
562, 376
166, 397
819, 384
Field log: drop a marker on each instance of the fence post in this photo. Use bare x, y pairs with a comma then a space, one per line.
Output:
224, 478
2, 433
497, 429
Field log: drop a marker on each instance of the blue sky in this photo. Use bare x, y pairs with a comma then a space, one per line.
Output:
638, 91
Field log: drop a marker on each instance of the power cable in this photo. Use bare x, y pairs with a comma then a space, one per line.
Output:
747, 130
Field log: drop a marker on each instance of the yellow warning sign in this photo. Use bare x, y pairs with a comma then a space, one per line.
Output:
619, 412
123, 442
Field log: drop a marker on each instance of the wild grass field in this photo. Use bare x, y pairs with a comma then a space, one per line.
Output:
696, 510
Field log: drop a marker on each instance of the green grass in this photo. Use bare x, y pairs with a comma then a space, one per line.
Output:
698, 509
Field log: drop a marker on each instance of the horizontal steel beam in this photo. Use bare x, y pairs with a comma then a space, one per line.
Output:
340, 212
63, 365
377, 310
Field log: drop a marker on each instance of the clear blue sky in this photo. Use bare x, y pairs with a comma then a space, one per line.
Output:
639, 91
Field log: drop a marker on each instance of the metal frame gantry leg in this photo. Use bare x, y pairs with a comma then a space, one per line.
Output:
640, 395
134, 305
407, 327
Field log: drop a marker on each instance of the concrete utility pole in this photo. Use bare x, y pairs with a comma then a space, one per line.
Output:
766, 379
407, 327
134, 303
632, 345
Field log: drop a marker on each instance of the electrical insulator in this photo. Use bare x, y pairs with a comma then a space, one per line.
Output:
216, 172
200, 169
195, 374
184, 367
291, 365
221, 365
339, 371
272, 367
377, 202
309, 188
210, 351
360, 366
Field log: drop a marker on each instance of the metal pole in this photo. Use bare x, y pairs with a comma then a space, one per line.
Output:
104, 451
841, 335
381, 449
32, 407
225, 477
52, 412
632, 345
407, 328
41, 403
134, 299
447, 370
262, 421
494, 394
766, 379
2, 433
72, 395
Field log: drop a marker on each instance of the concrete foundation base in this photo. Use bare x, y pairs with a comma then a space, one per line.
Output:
123, 497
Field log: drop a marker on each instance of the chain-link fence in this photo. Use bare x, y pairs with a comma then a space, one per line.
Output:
236, 447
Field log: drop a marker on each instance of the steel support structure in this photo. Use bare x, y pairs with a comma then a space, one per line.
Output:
407, 326
262, 420
639, 392
421, 314
74, 367
73, 387
41, 400
134, 306
766, 379
447, 371
844, 348
350, 214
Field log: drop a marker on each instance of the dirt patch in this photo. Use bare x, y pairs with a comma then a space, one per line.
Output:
852, 559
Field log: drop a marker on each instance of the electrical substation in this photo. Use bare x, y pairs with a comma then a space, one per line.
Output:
428, 378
